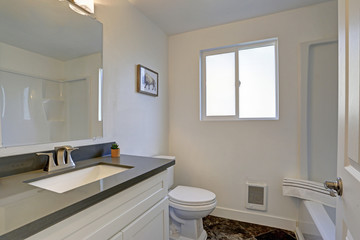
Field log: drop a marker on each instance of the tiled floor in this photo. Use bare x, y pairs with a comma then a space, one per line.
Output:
225, 229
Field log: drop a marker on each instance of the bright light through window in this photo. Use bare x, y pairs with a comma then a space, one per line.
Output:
220, 85
258, 82
240, 82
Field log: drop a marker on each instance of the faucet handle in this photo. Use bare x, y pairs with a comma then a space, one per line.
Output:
69, 148
59, 148
69, 159
51, 163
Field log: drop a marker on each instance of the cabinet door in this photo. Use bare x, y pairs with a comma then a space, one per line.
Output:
153, 224
348, 166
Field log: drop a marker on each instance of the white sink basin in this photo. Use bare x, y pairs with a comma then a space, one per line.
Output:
67, 181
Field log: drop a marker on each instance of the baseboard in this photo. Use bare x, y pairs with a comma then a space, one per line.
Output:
299, 235
256, 217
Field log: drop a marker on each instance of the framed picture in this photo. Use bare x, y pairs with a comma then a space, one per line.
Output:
147, 81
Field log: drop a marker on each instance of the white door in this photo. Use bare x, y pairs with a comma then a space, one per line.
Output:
348, 166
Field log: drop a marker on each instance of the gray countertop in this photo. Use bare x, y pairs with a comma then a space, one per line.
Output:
26, 210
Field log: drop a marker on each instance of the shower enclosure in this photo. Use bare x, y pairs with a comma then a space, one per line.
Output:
318, 113
37, 110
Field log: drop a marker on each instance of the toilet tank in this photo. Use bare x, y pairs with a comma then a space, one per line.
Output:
170, 170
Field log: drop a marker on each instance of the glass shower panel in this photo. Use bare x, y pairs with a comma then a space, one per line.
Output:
36, 110
21, 110
78, 113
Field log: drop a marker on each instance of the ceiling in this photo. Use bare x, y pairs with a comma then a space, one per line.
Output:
178, 16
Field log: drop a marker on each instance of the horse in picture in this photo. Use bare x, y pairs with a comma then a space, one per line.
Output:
149, 81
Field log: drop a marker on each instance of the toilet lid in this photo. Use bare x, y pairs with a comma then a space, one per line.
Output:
191, 196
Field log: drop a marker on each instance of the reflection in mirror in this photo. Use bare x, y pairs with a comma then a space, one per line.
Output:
50, 58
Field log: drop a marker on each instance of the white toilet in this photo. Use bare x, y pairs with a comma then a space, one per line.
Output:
188, 205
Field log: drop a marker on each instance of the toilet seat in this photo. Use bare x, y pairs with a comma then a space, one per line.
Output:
192, 208
191, 196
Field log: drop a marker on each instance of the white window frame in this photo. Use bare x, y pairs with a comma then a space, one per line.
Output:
235, 49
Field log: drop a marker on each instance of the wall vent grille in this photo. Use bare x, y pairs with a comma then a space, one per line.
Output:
256, 196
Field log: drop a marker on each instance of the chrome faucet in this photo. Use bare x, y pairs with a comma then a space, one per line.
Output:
51, 165
68, 150
60, 155
61, 162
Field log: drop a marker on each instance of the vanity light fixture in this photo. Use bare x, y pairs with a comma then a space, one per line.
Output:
83, 7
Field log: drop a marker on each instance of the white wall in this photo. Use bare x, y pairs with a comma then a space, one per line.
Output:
222, 155
139, 123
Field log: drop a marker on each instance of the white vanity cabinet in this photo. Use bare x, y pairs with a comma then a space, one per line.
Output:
136, 213
151, 225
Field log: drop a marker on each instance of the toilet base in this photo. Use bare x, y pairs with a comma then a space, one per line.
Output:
176, 236
188, 230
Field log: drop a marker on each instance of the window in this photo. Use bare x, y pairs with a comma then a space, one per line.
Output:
240, 82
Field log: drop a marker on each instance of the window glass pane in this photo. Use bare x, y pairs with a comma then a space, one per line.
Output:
257, 74
220, 84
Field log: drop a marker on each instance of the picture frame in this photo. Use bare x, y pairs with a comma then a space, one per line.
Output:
147, 81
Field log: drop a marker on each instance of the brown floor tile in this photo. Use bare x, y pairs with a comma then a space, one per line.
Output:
276, 234
226, 229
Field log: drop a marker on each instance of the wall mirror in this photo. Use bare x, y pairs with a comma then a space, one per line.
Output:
50, 60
